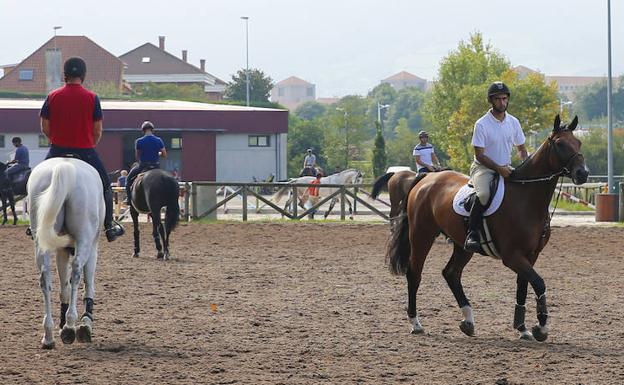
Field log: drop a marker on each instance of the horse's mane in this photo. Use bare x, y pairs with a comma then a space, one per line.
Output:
526, 162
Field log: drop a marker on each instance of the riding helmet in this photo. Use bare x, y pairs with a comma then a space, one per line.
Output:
75, 67
498, 87
423, 134
147, 125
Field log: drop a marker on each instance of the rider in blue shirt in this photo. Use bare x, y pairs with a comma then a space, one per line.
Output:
20, 161
148, 149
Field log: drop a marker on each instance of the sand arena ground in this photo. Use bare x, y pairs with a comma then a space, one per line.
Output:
307, 303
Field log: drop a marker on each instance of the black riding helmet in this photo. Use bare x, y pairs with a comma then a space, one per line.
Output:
147, 125
498, 88
75, 67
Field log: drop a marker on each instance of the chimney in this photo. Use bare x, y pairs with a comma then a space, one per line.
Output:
202, 64
184, 55
161, 42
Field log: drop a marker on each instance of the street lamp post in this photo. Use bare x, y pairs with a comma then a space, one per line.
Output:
379, 108
346, 114
610, 181
246, 18
563, 104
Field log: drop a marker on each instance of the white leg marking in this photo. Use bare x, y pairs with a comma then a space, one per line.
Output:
467, 313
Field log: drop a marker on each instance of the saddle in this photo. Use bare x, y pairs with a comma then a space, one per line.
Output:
308, 171
463, 202
20, 177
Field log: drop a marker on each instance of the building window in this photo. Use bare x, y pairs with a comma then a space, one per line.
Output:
43, 141
310, 91
280, 91
259, 141
1, 141
146, 59
176, 143
26, 74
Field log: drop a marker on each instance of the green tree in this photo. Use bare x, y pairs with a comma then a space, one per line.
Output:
408, 105
260, 86
303, 134
163, 91
591, 101
310, 110
379, 153
399, 148
459, 97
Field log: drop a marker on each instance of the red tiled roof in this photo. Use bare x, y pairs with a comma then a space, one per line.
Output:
160, 62
293, 81
403, 75
102, 66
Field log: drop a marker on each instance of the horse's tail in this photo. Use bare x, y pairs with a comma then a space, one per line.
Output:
172, 215
399, 248
380, 183
280, 193
49, 204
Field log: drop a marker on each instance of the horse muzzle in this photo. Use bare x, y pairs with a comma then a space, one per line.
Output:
580, 175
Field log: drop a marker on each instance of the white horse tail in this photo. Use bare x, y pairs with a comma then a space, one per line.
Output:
49, 204
280, 193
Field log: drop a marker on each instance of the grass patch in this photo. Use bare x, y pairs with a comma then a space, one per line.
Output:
566, 205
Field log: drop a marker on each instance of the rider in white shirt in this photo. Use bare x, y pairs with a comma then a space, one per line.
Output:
495, 134
424, 154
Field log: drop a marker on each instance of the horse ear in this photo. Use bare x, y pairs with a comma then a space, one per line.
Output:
557, 124
572, 125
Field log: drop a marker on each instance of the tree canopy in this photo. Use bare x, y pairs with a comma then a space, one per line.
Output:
260, 86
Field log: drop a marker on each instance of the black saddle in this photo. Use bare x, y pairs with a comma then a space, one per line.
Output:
308, 171
20, 177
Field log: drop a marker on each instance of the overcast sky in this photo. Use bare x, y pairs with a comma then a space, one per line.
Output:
342, 46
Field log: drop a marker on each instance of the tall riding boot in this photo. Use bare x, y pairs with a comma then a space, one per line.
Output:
473, 243
113, 229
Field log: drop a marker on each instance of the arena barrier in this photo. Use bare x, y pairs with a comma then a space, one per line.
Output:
247, 193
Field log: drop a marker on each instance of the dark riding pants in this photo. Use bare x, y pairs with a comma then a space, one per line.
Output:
90, 156
136, 170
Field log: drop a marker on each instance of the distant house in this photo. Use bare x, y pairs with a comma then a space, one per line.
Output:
42, 70
150, 64
292, 92
405, 79
566, 85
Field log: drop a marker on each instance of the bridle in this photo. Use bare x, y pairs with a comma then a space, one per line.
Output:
566, 170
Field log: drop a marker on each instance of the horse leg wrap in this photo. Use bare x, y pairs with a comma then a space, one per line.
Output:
88, 308
542, 311
64, 307
519, 313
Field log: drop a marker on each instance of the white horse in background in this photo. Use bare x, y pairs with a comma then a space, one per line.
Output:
349, 176
66, 213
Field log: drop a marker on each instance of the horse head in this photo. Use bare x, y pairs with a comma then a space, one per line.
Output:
566, 155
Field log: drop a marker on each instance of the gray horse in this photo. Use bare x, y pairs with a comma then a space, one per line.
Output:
66, 213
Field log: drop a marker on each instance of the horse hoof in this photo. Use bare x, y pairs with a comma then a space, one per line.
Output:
135, 255
417, 330
83, 334
47, 346
166, 257
467, 328
68, 335
538, 334
526, 336
160, 255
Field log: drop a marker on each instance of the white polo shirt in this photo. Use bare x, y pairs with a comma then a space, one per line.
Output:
497, 138
425, 152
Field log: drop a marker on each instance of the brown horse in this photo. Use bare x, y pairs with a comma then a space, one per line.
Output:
528, 193
399, 185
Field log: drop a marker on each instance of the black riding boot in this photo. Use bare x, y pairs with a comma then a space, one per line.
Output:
473, 243
113, 229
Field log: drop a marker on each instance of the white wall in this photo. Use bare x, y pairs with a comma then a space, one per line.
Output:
37, 155
237, 162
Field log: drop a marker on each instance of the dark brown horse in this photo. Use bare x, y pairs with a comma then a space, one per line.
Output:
399, 185
520, 227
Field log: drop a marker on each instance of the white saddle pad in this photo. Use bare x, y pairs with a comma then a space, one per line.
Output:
462, 194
